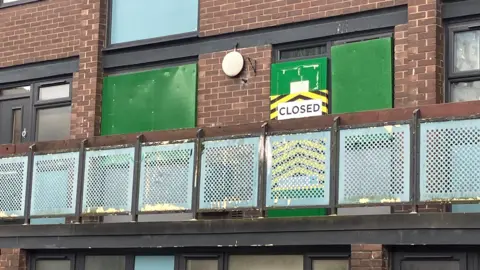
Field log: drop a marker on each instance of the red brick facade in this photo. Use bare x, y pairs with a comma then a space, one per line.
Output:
55, 29
226, 101
369, 257
39, 31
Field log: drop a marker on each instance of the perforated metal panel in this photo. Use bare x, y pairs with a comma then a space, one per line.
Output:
298, 169
166, 177
13, 179
229, 175
449, 160
108, 181
54, 184
374, 165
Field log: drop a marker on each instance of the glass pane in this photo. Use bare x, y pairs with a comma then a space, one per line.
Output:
202, 265
429, 265
305, 52
15, 91
54, 92
17, 126
52, 265
53, 123
154, 263
330, 265
467, 46
104, 263
465, 91
267, 262
132, 21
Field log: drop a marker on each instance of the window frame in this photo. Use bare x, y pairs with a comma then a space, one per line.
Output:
450, 75
51, 257
47, 104
78, 257
16, 3
142, 42
461, 257
34, 103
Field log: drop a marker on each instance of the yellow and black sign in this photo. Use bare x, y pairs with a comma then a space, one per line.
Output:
298, 105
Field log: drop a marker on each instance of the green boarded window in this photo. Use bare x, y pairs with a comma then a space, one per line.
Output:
362, 76
151, 100
299, 76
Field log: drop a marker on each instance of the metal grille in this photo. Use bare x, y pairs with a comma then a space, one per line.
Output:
13, 179
449, 160
54, 184
374, 165
298, 169
229, 175
108, 181
166, 178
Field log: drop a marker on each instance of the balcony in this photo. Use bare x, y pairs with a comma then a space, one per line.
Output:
406, 157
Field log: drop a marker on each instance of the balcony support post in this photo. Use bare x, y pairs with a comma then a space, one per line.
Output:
262, 171
197, 158
80, 181
414, 161
136, 178
334, 155
28, 186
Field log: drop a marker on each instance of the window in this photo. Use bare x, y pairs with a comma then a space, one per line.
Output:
146, 100
463, 72
155, 263
9, 3
104, 263
52, 110
39, 111
52, 264
346, 75
134, 20
265, 262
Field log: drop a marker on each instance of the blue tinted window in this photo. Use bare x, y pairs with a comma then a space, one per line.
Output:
144, 19
154, 263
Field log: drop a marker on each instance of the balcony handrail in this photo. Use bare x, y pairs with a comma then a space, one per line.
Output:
328, 126
447, 111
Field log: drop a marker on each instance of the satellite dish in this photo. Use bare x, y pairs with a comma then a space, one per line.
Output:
232, 64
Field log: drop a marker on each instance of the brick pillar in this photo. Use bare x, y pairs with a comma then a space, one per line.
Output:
401, 66
369, 257
425, 52
228, 101
13, 259
88, 82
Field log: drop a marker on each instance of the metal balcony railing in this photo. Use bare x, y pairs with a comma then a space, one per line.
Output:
328, 161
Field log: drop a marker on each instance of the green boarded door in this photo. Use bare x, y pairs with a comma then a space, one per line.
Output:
150, 100
362, 76
299, 76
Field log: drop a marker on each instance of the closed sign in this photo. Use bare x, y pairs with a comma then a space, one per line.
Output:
299, 109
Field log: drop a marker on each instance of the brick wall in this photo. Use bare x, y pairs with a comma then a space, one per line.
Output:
369, 257
224, 16
39, 31
13, 259
88, 83
425, 52
225, 101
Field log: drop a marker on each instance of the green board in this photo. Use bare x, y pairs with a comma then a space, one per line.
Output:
362, 76
305, 212
299, 76
158, 99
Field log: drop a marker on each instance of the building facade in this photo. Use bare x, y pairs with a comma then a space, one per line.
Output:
125, 146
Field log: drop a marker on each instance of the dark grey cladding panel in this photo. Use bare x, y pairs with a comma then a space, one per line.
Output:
39, 70
459, 9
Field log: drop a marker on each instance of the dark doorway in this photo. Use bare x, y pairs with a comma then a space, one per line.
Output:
14, 120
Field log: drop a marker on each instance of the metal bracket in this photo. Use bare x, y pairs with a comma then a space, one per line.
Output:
253, 65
